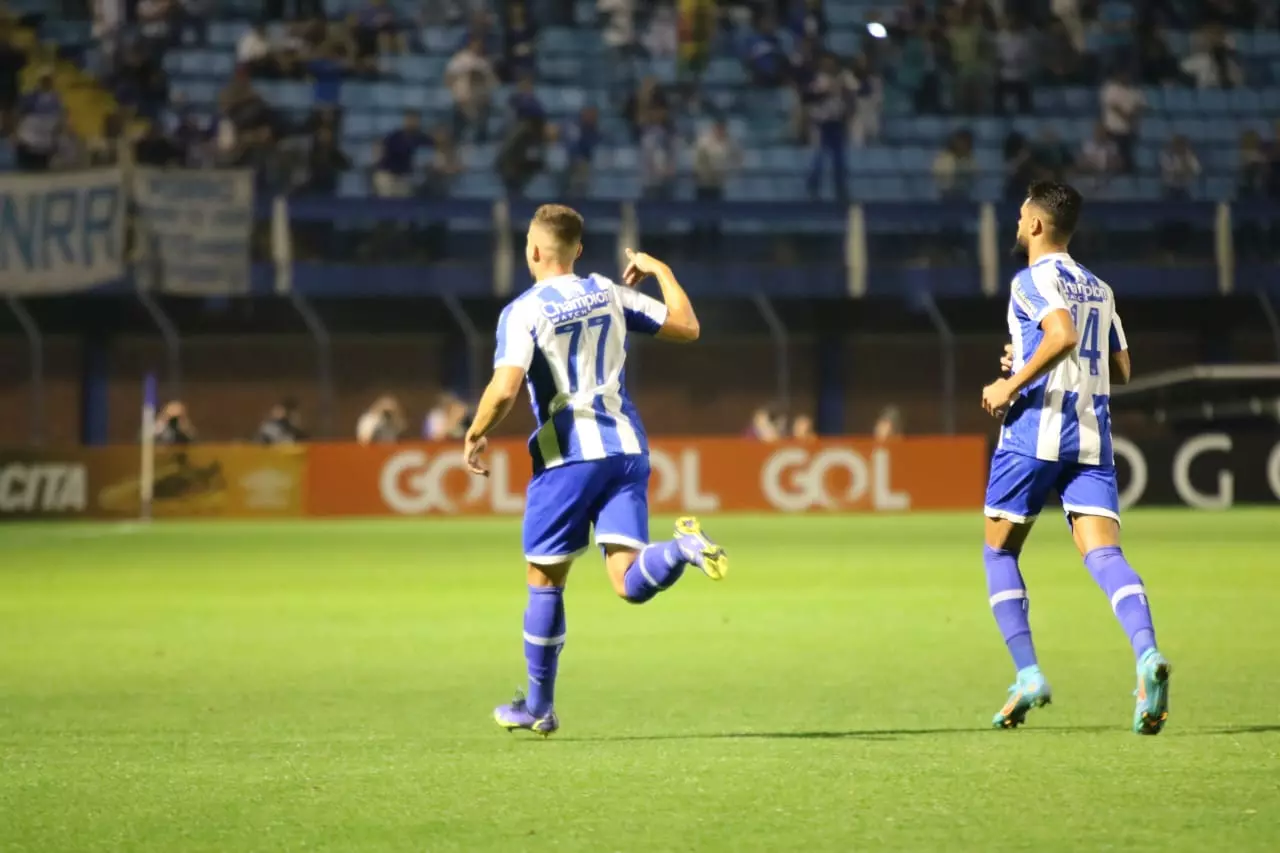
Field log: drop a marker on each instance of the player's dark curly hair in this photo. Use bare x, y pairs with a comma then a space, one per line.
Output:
1062, 203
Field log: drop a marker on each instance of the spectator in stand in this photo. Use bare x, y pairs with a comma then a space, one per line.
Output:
658, 157
766, 425
444, 166
1020, 167
173, 425
157, 149
661, 38
868, 102
1068, 14
523, 154
471, 80
1052, 155
378, 27
888, 424
283, 424
1156, 62
619, 36
12, 61
1122, 108
766, 56
829, 97
447, 420
154, 18
1100, 156
326, 162
326, 70
1015, 59
393, 172
580, 140
1179, 168
1213, 64
193, 17
646, 99
383, 422
715, 158
695, 30
524, 104
971, 54
40, 119
1060, 59
1253, 177
806, 19
954, 167
253, 51
193, 141
802, 429
519, 43
243, 112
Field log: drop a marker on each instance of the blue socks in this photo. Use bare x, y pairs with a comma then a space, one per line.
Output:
1009, 604
656, 568
543, 640
1128, 598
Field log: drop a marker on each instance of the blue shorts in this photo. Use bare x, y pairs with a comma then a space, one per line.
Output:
564, 502
1019, 485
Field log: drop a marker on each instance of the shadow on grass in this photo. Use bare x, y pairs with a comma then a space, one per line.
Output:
1235, 730
836, 734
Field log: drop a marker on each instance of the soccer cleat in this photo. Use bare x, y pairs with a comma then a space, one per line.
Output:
1153, 693
697, 549
517, 716
1029, 691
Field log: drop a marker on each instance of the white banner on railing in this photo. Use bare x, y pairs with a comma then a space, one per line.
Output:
61, 232
194, 230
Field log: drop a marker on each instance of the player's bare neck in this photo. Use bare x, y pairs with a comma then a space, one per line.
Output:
556, 271
1038, 251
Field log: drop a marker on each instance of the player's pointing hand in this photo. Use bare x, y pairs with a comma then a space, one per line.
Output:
639, 266
471, 451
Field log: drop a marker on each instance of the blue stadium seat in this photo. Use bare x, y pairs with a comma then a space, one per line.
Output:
443, 40
353, 185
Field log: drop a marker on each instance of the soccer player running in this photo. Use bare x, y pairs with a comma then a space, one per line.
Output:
1068, 346
565, 338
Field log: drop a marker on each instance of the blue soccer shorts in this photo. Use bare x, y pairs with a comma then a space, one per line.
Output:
563, 503
1019, 486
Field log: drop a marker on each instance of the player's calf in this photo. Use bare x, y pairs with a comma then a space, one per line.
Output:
639, 576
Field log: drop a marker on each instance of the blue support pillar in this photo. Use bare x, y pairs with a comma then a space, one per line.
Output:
830, 365
95, 375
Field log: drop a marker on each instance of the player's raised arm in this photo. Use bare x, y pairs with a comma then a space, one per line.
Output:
681, 323
1121, 365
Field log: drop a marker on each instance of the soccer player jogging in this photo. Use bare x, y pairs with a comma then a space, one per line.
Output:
1068, 345
565, 338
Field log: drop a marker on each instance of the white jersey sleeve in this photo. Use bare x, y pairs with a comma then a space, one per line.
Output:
644, 314
516, 332
1038, 293
1117, 340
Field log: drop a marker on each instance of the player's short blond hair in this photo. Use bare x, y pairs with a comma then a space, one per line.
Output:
562, 223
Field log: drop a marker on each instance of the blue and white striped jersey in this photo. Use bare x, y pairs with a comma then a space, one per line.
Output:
1065, 415
569, 335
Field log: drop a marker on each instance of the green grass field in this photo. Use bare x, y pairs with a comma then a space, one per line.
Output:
328, 686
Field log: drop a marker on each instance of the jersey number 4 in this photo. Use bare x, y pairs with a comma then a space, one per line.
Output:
1089, 349
574, 331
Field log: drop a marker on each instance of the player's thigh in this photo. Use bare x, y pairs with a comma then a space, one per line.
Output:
1091, 501
622, 517
622, 510
557, 513
1017, 488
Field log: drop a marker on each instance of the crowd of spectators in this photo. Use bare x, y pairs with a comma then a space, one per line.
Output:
962, 58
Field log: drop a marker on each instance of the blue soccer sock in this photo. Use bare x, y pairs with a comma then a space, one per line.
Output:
1009, 604
1128, 597
543, 640
656, 568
